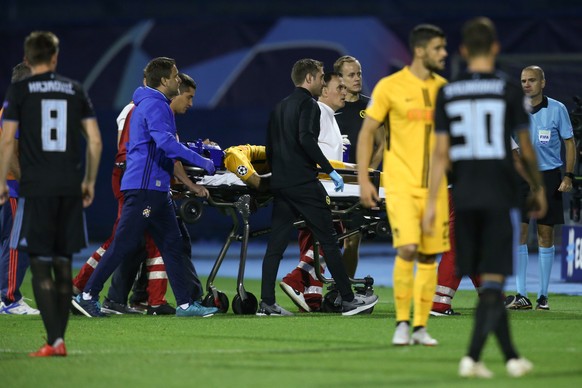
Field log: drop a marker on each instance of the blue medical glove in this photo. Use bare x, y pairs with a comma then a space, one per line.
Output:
337, 180
209, 166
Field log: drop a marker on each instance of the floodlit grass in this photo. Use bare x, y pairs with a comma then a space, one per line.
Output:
307, 350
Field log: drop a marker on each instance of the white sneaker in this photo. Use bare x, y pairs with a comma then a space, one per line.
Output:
469, 368
421, 337
18, 308
517, 367
401, 335
296, 296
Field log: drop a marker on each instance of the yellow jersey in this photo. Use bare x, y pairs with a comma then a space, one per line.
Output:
405, 105
245, 160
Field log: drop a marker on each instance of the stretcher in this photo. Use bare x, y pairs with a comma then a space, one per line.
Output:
236, 200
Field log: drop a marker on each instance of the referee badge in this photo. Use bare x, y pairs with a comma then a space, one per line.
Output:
147, 212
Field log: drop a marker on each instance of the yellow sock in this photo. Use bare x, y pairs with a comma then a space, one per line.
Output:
403, 278
425, 283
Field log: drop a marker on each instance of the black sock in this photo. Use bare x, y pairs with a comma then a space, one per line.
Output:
45, 294
504, 337
64, 290
487, 317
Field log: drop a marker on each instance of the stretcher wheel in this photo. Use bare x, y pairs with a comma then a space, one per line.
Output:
246, 307
382, 228
221, 302
329, 305
190, 211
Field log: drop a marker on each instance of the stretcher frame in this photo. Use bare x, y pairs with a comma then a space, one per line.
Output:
239, 202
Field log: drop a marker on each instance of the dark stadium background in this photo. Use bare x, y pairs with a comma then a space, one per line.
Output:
240, 53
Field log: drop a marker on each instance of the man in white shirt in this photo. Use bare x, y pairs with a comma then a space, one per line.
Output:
302, 285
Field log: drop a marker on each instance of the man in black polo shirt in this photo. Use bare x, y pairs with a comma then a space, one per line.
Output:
293, 154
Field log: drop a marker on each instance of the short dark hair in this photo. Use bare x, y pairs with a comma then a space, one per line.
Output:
478, 36
329, 75
422, 34
40, 46
538, 70
303, 67
157, 69
186, 82
20, 72
338, 64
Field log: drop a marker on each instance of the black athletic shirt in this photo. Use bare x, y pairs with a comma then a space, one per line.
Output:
349, 119
480, 112
292, 149
49, 109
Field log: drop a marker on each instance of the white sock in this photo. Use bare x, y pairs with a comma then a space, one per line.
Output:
87, 296
184, 306
57, 342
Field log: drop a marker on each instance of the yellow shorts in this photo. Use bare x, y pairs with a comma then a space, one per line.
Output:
405, 213
245, 160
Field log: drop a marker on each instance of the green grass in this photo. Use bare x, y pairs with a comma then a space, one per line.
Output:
307, 350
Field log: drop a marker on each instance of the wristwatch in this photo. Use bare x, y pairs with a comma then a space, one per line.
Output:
570, 175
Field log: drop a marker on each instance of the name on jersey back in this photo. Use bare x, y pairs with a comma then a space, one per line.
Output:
51, 86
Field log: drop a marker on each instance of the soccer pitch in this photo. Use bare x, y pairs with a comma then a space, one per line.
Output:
307, 350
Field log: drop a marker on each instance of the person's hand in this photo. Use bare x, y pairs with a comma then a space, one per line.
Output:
566, 185
209, 167
368, 194
428, 219
88, 193
199, 190
337, 180
345, 142
3, 193
536, 204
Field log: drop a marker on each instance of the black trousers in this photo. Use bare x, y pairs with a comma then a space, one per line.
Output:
311, 201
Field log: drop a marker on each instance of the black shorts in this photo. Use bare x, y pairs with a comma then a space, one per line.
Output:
49, 226
487, 240
555, 215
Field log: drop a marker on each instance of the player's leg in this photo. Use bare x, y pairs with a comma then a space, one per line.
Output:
13, 266
281, 226
447, 279
546, 259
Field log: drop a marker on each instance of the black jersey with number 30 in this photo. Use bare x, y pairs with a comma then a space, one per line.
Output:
480, 112
49, 110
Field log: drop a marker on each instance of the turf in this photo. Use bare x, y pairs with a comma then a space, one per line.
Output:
307, 350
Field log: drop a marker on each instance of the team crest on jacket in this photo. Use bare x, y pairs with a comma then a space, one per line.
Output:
242, 170
327, 200
147, 212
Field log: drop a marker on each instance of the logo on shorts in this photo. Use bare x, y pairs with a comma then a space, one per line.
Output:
147, 212
242, 170
327, 200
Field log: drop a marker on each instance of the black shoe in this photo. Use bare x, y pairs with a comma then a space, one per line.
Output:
447, 313
542, 303
111, 307
163, 309
518, 302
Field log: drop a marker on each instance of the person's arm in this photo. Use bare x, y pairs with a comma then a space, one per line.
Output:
93, 156
438, 166
537, 203
379, 144
163, 133
14, 163
180, 174
368, 193
309, 122
570, 146
6, 154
